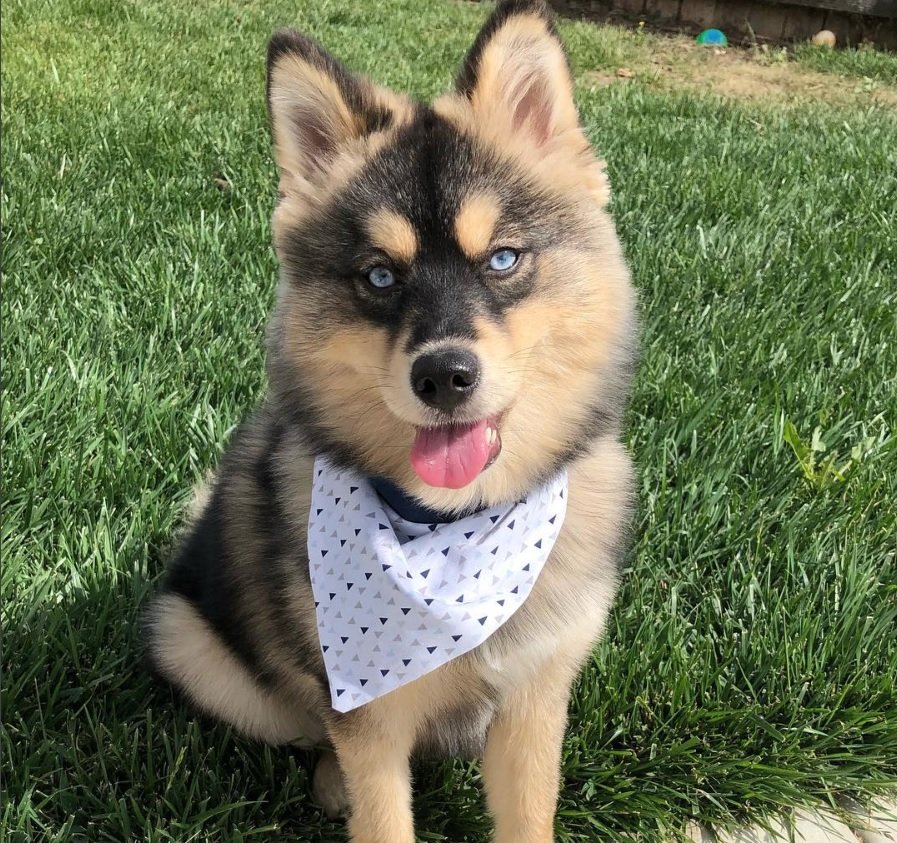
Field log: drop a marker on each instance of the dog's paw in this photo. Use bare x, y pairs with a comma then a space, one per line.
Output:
328, 788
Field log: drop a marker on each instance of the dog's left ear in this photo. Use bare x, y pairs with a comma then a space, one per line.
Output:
517, 72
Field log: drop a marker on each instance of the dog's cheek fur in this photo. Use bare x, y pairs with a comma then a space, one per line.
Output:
504, 362
563, 359
333, 373
581, 362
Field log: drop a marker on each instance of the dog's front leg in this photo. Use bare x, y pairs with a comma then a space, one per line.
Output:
374, 756
521, 768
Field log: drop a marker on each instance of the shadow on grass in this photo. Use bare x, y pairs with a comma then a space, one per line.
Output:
96, 748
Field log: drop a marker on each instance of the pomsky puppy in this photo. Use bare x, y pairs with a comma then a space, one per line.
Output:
454, 331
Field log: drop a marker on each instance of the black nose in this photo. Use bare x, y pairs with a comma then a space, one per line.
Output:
444, 379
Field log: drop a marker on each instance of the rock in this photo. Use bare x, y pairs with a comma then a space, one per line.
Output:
825, 38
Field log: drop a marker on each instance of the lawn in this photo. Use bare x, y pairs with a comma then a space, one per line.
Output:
751, 659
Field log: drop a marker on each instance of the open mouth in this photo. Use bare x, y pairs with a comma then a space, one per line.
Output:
454, 455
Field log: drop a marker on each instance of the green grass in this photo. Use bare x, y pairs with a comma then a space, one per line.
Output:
864, 62
752, 656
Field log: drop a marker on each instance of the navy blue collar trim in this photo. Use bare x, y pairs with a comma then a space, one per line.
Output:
411, 509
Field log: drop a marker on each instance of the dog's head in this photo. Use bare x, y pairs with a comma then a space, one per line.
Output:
454, 311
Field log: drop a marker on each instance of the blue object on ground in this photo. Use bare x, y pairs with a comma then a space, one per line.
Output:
713, 38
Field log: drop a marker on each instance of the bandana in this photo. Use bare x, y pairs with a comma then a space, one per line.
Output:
396, 599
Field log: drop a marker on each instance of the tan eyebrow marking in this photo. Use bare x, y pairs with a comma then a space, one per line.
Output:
475, 223
392, 233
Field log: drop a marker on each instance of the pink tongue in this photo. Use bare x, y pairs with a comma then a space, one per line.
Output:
451, 457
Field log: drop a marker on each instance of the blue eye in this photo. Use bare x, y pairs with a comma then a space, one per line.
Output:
381, 277
503, 260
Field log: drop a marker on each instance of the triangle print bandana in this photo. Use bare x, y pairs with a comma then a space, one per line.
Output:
395, 599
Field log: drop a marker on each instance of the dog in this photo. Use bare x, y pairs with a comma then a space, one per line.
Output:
454, 321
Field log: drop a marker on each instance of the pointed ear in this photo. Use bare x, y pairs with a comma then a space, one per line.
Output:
517, 71
316, 105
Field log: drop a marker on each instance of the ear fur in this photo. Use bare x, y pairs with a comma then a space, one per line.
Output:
316, 106
517, 72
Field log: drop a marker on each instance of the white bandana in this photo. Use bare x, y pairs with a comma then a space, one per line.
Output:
394, 599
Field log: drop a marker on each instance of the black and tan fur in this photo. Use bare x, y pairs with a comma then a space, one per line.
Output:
430, 190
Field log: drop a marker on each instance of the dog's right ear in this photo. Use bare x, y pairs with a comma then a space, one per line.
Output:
316, 105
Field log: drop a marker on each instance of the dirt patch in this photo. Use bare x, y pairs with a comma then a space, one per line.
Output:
745, 74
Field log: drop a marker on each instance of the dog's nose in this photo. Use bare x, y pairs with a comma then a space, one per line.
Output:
445, 379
